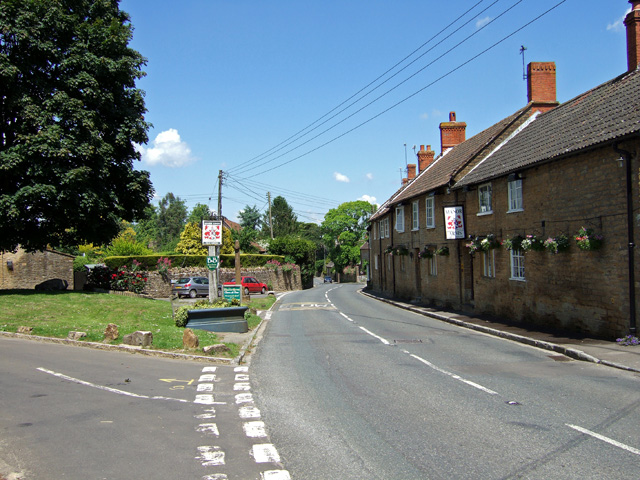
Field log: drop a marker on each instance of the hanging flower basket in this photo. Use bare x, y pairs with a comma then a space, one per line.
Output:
425, 253
397, 250
489, 242
587, 240
513, 243
443, 251
474, 245
557, 244
531, 243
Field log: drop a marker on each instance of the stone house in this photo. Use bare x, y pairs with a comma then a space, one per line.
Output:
23, 270
548, 170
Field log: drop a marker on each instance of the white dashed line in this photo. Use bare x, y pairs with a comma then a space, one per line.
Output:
205, 387
204, 399
242, 387
209, 369
244, 398
254, 429
208, 428
265, 453
215, 476
241, 369
210, 456
608, 440
242, 377
454, 376
209, 377
248, 412
386, 342
275, 475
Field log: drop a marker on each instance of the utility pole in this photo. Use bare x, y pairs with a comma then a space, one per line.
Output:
221, 218
214, 250
270, 219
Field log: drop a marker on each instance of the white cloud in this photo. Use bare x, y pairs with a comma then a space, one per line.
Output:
368, 198
424, 116
618, 25
482, 22
369, 176
340, 177
168, 150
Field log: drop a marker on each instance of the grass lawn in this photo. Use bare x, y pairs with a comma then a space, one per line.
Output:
54, 314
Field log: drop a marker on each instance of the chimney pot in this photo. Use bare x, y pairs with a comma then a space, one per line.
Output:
632, 22
452, 133
411, 171
425, 157
452, 116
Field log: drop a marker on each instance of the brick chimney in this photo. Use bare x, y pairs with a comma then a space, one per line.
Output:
425, 157
452, 133
411, 171
632, 22
541, 85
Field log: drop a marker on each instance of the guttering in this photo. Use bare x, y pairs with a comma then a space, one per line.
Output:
627, 156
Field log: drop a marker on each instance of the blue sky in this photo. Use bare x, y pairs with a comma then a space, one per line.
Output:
231, 83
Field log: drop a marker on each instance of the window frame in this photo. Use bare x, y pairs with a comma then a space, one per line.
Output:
433, 266
489, 264
515, 186
415, 216
430, 214
517, 265
400, 219
485, 191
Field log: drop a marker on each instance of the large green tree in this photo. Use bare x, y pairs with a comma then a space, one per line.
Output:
70, 116
344, 231
198, 213
285, 222
250, 217
172, 217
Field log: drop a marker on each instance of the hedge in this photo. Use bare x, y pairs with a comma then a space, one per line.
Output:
150, 262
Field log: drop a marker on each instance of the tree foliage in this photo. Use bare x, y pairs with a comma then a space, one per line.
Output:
285, 222
344, 231
191, 240
198, 213
172, 216
250, 217
70, 116
296, 250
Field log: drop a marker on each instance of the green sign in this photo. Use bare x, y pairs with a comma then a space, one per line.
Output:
212, 262
229, 292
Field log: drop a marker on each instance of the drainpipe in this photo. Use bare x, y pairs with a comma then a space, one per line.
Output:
631, 245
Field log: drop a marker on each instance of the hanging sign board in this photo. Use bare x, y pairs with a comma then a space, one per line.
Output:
211, 232
454, 223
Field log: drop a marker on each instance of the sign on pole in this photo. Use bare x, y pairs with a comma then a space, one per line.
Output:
454, 223
211, 232
213, 262
229, 292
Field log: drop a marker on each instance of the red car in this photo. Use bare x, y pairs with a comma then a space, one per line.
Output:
251, 285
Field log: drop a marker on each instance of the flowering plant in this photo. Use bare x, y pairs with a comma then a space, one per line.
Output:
443, 251
474, 245
531, 243
489, 242
513, 243
557, 244
397, 250
587, 240
272, 265
129, 280
287, 267
426, 252
163, 266
628, 340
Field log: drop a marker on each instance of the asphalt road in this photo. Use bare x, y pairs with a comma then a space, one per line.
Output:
352, 388
77, 413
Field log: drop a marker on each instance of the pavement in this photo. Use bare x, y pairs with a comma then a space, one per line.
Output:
578, 347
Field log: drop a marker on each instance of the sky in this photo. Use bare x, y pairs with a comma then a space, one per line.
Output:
326, 102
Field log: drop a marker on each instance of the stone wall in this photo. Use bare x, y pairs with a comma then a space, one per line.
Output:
159, 287
30, 269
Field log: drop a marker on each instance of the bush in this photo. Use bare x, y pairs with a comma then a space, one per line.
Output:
150, 262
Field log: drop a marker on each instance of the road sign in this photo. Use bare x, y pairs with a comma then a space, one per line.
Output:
212, 262
211, 232
230, 292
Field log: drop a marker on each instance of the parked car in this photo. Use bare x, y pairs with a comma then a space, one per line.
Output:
251, 285
328, 279
191, 286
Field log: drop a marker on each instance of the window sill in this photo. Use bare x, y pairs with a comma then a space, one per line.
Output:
482, 214
518, 279
430, 227
516, 210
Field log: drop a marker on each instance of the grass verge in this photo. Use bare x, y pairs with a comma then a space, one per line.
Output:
54, 314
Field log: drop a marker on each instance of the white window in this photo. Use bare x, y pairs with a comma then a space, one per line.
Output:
400, 219
374, 229
375, 261
484, 199
415, 219
517, 264
433, 266
431, 222
489, 263
515, 195
384, 228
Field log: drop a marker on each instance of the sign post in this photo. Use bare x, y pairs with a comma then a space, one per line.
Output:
454, 223
212, 238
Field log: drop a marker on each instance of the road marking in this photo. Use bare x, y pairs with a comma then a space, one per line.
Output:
210, 456
215, 476
208, 378
242, 377
204, 399
386, 342
244, 398
249, 412
205, 387
171, 380
265, 453
108, 389
345, 316
242, 386
608, 440
254, 429
209, 429
454, 376
275, 475
209, 369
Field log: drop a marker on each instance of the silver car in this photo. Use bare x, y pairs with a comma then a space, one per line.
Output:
191, 286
